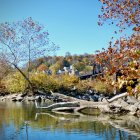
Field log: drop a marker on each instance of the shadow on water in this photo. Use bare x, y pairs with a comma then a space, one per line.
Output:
22, 121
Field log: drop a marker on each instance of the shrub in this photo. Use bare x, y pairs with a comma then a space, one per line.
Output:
14, 82
67, 81
44, 82
103, 87
84, 85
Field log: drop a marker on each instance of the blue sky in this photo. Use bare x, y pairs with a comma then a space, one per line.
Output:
72, 24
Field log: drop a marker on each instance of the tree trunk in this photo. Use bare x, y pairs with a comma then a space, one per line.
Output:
26, 78
60, 105
117, 97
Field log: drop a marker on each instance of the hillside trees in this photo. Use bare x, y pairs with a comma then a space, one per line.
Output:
123, 56
23, 41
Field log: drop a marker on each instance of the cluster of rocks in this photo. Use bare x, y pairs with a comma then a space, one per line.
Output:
89, 96
20, 97
40, 96
129, 105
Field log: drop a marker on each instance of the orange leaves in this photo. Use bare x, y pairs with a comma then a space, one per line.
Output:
124, 54
125, 12
125, 59
42, 67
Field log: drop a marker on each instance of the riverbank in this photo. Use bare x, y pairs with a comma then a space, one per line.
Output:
125, 105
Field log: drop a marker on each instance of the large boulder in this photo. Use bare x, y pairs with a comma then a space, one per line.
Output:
119, 103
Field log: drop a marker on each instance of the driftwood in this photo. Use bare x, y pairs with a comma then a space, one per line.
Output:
75, 105
117, 97
70, 109
84, 102
59, 105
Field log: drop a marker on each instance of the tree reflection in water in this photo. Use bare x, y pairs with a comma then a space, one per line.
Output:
24, 121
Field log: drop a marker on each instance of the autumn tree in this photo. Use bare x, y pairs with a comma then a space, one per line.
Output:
55, 67
123, 55
80, 66
23, 41
123, 13
42, 67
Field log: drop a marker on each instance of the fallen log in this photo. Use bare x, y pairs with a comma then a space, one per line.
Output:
64, 109
76, 105
117, 97
58, 105
84, 102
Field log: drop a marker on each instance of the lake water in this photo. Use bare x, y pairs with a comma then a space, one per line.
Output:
22, 121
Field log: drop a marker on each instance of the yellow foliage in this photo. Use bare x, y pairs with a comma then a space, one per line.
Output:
44, 82
84, 85
100, 86
67, 81
14, 82
137, 89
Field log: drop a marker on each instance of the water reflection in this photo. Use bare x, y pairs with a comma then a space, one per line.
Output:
22, 121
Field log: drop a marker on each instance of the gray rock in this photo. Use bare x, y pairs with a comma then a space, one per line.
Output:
123, 104
105, 109
137, 104
11, 96
132, 109
22, 94
78, 96
95, 97
31, 98
3, 98
14, 99
38, 98
100, 99
86, 97
115, 109
91, 97
138, 113
120, 103
131, 100
104, 100
19, 98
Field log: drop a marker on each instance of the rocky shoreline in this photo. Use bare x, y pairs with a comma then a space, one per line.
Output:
126, 105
